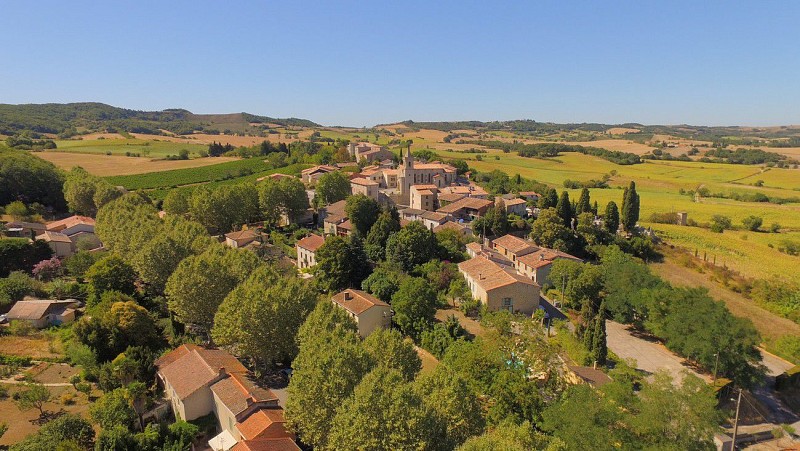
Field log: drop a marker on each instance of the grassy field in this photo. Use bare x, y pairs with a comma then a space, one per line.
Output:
145, 147
113, 165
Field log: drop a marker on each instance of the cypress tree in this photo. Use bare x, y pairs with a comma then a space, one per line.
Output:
611, 218
585, 326
549, 199
630, 207
584, 204
564, 209
595, 208
599, 345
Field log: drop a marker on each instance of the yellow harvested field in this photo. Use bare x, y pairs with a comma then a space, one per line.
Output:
107, 165
621, 130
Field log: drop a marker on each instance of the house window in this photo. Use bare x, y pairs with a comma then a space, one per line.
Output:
508, 304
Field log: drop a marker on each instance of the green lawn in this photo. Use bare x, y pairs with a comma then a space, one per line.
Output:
151, 148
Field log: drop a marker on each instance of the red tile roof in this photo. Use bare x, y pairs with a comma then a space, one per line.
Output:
189, 368
238, 391
311, 242
57, 226
489, 275
467, 202
357, 301
264, 423
267, 444
363, 182
515, 245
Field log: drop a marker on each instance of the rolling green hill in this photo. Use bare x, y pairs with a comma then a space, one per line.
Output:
70, 118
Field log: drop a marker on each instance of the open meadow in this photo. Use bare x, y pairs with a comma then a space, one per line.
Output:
154, 148
110, 165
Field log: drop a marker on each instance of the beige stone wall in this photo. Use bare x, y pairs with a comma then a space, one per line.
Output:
305, 258
372, 319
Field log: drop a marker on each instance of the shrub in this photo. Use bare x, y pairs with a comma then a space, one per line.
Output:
84, 387
720, 223
21, 328
752, 222
67, 398
775, 227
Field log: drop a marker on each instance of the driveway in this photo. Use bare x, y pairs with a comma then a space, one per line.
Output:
650, 356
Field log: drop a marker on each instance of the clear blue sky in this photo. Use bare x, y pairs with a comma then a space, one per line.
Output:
362, 63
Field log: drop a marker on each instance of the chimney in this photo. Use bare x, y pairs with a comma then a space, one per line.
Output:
348, 295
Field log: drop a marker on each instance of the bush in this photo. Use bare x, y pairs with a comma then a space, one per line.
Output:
21, 328
775, 227
67, 398
752, 223
720, 223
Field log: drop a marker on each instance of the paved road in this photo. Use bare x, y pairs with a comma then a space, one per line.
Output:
650, 356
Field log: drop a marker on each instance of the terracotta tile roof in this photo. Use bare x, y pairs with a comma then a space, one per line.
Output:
242, 235
189, 368
436, 166
363, 182
320, 168
276, 176
529, 194
38, 308
489, 275
450, 225
26, 225
516, 246
411, 212
311, 242
57, 226
356, 301
512, 202
434, 216
467, 202
346, 225
425, 187
267, 444
238, 391
337, 209
468, 190
475, 247
264, 423
543, 257
451, 197
53, 236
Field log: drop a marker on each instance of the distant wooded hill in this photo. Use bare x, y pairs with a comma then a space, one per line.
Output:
739, 135
67, 119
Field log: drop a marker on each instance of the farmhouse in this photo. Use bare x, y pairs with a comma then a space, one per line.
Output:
516, 206
198, 381
43, 313
61, 245
77, 228
512, 247
307, 250
240, 239
433, 219
335, 216
369, 312
452, 225
499, 287
24, 229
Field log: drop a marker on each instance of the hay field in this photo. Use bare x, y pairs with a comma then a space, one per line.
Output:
108, 165
121, 146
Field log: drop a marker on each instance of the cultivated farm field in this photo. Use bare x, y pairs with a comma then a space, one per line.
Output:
145, 147
110, 165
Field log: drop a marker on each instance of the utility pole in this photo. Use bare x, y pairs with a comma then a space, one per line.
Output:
736, 420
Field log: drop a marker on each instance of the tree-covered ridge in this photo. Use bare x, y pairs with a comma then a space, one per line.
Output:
65, 119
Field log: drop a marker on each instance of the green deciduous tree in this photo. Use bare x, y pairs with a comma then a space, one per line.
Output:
411, 246
200, 283
362, 211
260, 318
177, 202
375, 243
286, 196
549, 199
110, 273
341, 263
383, 413
113, 409
414, 304
66, 432
330, 364
332, 187
752, 222
33, 396
18, 254
549, 231
389, 348
454, 405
